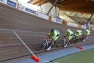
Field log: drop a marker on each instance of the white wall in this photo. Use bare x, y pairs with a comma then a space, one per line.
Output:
45, 8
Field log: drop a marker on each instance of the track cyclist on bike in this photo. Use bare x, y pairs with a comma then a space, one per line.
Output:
77, 35
69, 34
53, 35
86, 33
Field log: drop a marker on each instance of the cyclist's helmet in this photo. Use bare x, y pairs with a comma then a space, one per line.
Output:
77, 30
52, 30
68, 30
81, 31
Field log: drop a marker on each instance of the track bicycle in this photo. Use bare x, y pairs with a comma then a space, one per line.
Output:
83, 37
62, 42
45, 44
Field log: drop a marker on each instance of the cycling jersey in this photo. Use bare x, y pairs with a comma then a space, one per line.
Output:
69, 34
55, 35
87, 32
78, 33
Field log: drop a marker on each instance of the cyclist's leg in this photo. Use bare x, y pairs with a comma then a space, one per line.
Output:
50, 46
70, 39
67, 43
52, 42
55, 38
85, 37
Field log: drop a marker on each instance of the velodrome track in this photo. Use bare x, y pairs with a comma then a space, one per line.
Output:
31, 30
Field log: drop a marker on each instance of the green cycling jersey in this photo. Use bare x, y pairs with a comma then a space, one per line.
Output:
87, 32
55, 34
69, 34
78, 33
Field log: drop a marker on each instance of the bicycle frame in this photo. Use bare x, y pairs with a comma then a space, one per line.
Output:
83, 37
43, 44
46, 41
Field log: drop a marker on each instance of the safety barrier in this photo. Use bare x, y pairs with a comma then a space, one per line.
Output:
9, 3
42, 15
57, 20
25, 9
72, 24
50, 18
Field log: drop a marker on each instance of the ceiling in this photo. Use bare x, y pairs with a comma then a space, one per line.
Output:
83, 6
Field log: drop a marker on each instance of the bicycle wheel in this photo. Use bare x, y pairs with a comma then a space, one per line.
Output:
60, 43
41, 46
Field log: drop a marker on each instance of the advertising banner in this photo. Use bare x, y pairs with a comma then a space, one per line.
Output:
25, 9
30, 11
42, 15
11, 3
87, 27
3, 1
57, 20
83, 27
72, 24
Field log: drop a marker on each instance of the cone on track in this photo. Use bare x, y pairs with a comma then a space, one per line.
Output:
81, 48
35, 58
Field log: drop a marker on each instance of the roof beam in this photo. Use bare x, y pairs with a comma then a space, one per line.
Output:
40, 3
73, 4
64, 2
34, 1
52, 6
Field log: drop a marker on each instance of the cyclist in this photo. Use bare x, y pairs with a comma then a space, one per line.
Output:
86, 33
53, 35
78, 33
69, 34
